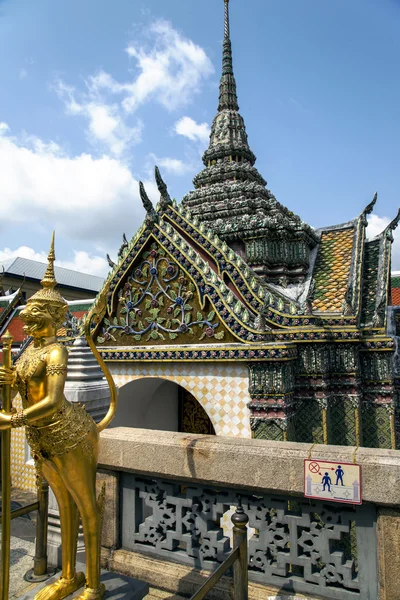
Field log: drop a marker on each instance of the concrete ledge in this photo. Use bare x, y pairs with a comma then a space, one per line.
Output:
183, 580
267, 466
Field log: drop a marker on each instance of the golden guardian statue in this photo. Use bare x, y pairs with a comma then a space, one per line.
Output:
63, 438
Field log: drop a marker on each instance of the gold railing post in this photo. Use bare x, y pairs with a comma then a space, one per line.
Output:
40, 559
41, 571
6, 477
240, 567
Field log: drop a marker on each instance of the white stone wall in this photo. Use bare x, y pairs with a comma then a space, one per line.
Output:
221, 388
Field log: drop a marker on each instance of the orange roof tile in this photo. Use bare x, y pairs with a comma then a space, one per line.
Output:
395, 296
332, 269
15, 327
80, 313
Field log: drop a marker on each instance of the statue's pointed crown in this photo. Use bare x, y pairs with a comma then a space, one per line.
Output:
48, 293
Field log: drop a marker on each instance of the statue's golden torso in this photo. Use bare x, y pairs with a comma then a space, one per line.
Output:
70, 425
31, 370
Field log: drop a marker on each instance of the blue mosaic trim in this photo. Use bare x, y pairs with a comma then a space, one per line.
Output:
315, 336
163, 354
387, 344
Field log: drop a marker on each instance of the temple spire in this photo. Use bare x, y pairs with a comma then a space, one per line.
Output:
227, 86
231, 199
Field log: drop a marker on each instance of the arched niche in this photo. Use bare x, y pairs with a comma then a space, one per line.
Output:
160, 404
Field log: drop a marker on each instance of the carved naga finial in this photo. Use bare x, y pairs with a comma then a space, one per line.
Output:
392, 226
123, 246
165, 198
151, 216
368, 209
111, 263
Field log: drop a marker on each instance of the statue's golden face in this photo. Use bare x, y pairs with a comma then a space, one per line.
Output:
37, 318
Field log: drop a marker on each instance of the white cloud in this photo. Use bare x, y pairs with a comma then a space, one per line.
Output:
171, 165
23, 73
376, 225
23, 252
169, 71
83, 262
3, 128
106, 124
86, 263
80, 196
197, 132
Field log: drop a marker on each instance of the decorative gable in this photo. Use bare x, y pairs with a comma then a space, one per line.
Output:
157, 301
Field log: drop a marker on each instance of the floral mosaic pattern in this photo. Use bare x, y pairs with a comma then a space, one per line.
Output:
157, 303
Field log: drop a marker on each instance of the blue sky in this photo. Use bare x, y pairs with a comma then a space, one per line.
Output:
95, 93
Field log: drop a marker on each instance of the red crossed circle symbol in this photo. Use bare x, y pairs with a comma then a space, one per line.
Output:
314, 467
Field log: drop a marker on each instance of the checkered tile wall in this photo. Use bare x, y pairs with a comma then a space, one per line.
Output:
221, 388
22, 471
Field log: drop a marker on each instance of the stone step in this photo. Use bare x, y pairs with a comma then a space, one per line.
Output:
81, 355
82, 360
87, 354
118, 587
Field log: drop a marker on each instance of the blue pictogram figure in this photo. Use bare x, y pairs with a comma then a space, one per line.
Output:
327, 481
339, 475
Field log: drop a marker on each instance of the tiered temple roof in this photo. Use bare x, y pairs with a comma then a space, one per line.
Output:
231, 198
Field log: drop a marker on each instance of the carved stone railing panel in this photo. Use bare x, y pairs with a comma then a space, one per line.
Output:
303, 546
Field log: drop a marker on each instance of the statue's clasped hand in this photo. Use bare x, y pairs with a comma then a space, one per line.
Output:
7, 376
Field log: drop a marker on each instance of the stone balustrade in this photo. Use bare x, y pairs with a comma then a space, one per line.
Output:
251, 464
169, 494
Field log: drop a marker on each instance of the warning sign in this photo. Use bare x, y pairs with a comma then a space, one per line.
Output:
336, 482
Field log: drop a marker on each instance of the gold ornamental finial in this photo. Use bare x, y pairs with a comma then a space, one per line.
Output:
48, 293
49, 280
7, 339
